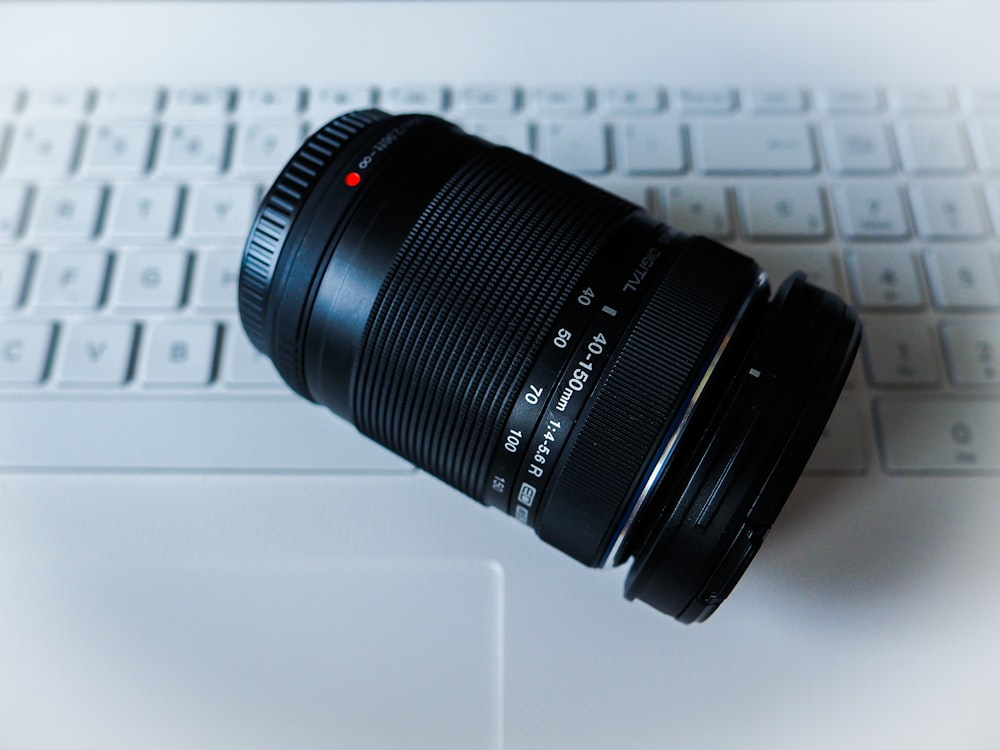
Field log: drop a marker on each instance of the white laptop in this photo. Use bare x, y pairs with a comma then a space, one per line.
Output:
191, 557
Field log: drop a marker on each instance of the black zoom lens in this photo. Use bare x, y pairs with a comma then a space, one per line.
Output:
545, 347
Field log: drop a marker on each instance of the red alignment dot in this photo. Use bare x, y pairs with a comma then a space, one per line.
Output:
352, 179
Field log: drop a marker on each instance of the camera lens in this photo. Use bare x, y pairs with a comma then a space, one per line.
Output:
545, 347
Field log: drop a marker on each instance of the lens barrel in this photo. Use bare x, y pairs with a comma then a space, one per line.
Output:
545, 347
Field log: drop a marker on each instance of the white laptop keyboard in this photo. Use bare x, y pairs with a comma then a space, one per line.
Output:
122, 215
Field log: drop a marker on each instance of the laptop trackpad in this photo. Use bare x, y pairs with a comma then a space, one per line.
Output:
344, 655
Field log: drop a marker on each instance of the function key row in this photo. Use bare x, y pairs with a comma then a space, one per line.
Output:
481, 100
122, 149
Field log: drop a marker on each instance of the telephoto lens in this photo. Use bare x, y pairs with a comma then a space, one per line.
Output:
545, 347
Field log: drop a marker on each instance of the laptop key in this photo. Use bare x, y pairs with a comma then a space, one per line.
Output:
578, 146
707, 100
900, 352
416, 99
850, 101
143, 210
178, 353
632, 100
931, 146
95, 352
193, 149
560, 101
269, 102
776, 211
870, 211
150, 280
922, 100
858, 147
43, 149
776, 101
125, 102
70, 280
947, 210
262, 148
973, 352
220, 209
57, 103
753, 147
66, 211
487, 101
117, 149
216, 277
962, 278
24, 353
698, 208
649, 147
201, 102
939, 435
885, 278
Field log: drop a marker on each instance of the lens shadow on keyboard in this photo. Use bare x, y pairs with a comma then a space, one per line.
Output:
839, 546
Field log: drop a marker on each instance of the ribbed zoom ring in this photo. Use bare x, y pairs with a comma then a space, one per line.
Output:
277, 213
462, 314
660, 362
